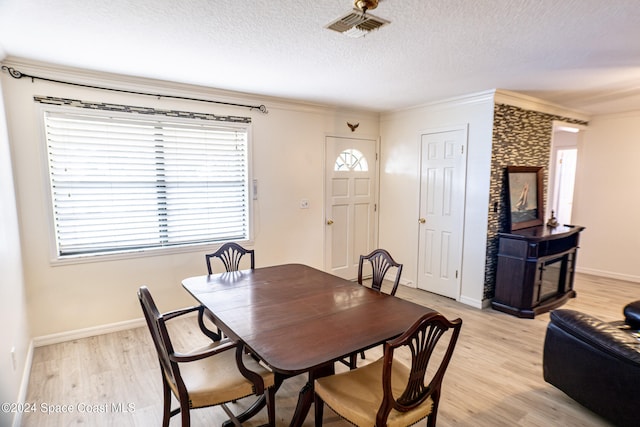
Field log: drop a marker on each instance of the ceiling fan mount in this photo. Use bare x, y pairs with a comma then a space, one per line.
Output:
365, 5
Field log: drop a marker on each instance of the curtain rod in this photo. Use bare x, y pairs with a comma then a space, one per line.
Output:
18, 75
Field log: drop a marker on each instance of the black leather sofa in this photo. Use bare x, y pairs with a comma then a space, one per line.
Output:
596, 363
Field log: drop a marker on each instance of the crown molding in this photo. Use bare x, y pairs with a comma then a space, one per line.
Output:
170, 88
501, 96
527, 102
470, 99
633, 114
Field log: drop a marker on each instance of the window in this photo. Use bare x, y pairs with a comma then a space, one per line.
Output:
125, 182
351, 160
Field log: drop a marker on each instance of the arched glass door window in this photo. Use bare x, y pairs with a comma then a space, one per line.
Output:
351, 160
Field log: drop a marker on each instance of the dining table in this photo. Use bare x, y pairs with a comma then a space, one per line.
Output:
298, 319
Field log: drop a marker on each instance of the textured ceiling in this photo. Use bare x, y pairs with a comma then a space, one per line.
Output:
581, 54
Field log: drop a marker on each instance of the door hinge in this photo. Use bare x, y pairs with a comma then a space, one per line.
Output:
456, 274
375, 207
462, 149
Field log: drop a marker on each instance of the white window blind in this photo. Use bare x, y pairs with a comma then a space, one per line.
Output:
121, 184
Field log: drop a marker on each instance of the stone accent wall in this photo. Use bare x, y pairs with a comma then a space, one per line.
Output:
520, 138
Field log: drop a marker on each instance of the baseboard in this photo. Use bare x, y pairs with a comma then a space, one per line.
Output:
87, 332
24, 384
474, 302
408, 283
609, 274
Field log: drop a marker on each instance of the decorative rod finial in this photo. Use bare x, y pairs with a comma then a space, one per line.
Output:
12, 72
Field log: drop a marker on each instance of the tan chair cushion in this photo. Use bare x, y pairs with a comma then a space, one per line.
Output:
356, 395
216, 379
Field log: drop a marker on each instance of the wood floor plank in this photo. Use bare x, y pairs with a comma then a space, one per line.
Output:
494, 379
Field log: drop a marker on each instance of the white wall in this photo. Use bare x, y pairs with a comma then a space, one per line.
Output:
606, 197
288, 146
14, 333
399, 188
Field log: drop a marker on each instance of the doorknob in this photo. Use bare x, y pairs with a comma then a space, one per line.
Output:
422, 220
329, 221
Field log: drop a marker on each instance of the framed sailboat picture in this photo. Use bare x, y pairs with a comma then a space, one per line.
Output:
524, 196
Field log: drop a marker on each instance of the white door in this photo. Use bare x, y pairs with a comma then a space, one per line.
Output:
350, 203
442, 191
564, 181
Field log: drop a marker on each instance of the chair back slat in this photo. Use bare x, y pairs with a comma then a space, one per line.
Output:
421, 346
230, 254
380, 266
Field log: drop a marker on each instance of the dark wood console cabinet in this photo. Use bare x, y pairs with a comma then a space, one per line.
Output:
535, 269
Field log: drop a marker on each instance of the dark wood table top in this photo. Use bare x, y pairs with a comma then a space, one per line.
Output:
297, 318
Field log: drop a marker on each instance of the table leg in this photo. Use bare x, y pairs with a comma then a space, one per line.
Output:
305, 398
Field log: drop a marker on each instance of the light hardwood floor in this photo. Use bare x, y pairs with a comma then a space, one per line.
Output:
494, 379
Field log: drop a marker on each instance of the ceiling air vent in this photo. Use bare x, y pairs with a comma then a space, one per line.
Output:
357, 24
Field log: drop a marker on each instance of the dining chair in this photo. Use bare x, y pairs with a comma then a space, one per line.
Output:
381, 261
230, 254
388, 392
216, 374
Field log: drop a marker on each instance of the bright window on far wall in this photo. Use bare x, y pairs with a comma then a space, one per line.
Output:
123, 182
351, 160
